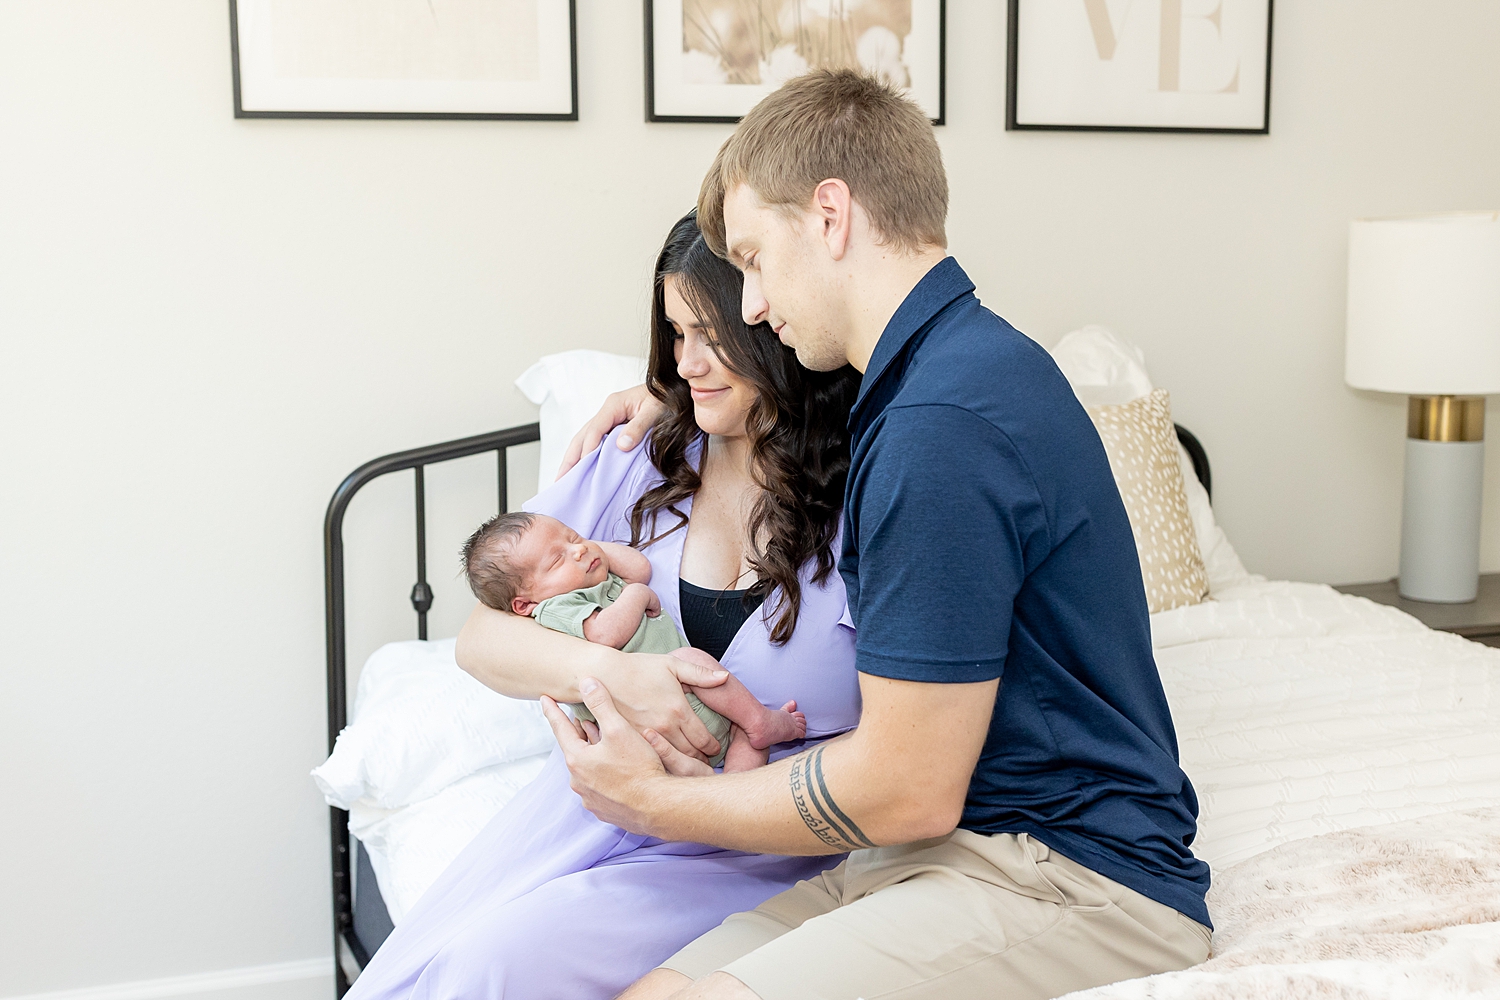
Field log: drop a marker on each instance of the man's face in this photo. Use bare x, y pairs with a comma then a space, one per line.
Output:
790, 280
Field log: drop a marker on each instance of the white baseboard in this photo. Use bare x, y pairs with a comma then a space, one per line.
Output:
203, 982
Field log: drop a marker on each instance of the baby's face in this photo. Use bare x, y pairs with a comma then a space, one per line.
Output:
555, 560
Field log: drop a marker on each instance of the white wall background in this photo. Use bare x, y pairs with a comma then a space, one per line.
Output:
205, 323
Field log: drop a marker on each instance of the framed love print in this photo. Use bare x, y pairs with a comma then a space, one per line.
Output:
507, 59
1140, 65
713, 60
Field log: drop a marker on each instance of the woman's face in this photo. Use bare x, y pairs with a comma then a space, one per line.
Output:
721, 399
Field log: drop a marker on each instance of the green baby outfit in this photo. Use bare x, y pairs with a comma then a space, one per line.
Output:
567, 613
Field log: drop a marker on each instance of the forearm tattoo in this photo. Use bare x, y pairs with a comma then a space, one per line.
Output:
817, 808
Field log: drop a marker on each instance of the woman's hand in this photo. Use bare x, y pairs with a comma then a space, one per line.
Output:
636, 408
648, 693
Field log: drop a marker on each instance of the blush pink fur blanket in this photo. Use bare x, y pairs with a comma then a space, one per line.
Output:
1408, 910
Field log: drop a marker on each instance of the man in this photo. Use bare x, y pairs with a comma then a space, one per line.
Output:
1018, 823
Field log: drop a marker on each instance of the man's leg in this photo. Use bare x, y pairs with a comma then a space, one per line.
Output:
664, 984
965, 917
658, 984
691, 973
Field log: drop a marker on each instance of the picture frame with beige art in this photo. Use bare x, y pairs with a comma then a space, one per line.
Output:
1140, 65
713, 60
500, 59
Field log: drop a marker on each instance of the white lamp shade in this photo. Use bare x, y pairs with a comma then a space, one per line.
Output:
1424, 305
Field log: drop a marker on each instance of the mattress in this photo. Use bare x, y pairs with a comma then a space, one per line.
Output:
372, 920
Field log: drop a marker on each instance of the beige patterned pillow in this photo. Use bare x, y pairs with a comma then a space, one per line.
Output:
1142, 447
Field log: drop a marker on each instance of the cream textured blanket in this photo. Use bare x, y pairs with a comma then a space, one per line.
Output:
1407, 910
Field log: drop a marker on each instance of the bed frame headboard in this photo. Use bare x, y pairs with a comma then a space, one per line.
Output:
1196, 452
346, 939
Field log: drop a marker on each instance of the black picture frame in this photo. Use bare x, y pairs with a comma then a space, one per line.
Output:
1011, 125
653, 116
569, 116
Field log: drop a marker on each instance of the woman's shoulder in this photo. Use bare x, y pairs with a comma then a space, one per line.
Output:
596, 495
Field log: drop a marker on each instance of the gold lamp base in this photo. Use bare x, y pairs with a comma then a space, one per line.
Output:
1445, 418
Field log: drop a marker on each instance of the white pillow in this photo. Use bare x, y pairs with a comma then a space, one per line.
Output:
1105, 369
570, 387
410, 847
420, 724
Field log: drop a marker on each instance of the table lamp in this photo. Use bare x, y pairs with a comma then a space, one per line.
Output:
1424, 320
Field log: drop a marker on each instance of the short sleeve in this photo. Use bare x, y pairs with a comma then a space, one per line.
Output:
948, 523
567, 612
596, 496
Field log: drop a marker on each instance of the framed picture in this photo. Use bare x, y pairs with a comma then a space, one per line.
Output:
713, 60
1140, 65
515, 59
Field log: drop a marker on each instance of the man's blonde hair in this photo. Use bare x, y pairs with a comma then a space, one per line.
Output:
835, 124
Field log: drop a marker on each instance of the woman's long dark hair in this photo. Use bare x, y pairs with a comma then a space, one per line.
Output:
797, 426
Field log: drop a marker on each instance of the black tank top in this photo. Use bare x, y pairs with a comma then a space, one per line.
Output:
711, 618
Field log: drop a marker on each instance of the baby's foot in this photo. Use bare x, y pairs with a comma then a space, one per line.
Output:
773, 726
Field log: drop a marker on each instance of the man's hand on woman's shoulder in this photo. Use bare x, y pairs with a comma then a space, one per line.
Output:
636, 408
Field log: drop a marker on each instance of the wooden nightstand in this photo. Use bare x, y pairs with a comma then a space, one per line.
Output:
1478, 620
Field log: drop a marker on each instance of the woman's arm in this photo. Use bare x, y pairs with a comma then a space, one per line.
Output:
521, 659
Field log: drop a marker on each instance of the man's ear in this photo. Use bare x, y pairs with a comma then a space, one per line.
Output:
834, 206
522, 606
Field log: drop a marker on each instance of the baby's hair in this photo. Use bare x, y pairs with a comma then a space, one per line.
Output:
491, 576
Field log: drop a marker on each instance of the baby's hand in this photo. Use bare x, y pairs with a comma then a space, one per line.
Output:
650, 603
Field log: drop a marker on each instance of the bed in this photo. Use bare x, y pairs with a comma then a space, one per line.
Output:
1346, 758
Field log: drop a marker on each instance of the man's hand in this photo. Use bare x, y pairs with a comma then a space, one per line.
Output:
636, 408
613, 776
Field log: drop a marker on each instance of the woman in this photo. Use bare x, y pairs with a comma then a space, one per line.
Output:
735, 500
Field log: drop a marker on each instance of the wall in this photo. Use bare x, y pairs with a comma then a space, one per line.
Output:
206, 323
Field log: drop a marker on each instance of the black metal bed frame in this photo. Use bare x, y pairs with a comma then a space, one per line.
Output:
345, 935
1199, 455
417, 459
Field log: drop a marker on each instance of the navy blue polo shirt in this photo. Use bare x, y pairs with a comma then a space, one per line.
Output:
984, 537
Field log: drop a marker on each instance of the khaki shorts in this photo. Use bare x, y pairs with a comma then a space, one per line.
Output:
967, 915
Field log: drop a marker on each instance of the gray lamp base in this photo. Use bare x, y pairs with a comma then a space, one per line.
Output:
1440, 514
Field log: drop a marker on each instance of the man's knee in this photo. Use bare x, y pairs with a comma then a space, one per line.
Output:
658, 984
664, 984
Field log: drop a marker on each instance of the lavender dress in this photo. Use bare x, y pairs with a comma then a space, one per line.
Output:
548, 901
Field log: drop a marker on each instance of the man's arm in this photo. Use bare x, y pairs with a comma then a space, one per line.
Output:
903, 775
628, 564
636, 408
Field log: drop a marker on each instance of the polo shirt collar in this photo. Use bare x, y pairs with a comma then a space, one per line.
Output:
938, 288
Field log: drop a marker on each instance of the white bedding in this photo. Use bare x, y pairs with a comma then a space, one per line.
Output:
1300, 711
1404, 911
409, 847
429, 755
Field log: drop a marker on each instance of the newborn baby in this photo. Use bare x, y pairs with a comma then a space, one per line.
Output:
532, 564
